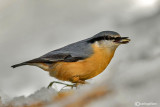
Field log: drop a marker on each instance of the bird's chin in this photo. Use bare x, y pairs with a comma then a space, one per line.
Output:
122, 40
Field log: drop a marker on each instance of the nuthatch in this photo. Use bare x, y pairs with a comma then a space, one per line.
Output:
81, 60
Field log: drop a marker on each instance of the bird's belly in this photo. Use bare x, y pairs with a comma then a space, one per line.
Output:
85, 69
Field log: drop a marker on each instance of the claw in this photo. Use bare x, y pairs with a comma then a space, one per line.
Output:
67, 85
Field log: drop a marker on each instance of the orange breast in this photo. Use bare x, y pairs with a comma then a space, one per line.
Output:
85, 69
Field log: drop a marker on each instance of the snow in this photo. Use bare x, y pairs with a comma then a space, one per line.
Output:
44, 94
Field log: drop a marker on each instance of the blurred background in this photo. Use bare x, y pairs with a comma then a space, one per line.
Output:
31, 28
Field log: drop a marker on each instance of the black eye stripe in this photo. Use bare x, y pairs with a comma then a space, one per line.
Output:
105, 37
110, 38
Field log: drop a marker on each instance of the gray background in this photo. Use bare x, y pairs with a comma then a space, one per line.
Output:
31, 28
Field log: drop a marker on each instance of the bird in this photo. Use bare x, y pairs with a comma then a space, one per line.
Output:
79, 61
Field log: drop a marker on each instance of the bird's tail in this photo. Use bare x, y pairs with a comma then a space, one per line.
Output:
32, 62
18, 65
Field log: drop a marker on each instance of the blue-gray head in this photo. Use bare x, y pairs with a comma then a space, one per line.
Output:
109, 39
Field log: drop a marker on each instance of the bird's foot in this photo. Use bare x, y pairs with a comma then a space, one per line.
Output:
66, 85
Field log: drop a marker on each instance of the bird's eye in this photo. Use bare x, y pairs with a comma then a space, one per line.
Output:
107, 37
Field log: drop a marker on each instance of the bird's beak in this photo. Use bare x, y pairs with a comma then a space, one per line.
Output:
122, 40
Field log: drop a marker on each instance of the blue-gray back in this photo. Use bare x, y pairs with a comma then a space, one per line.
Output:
72, 52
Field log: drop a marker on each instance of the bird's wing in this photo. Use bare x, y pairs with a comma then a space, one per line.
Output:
48, 58
65, 57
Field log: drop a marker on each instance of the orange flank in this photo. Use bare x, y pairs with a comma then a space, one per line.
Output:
83, 69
